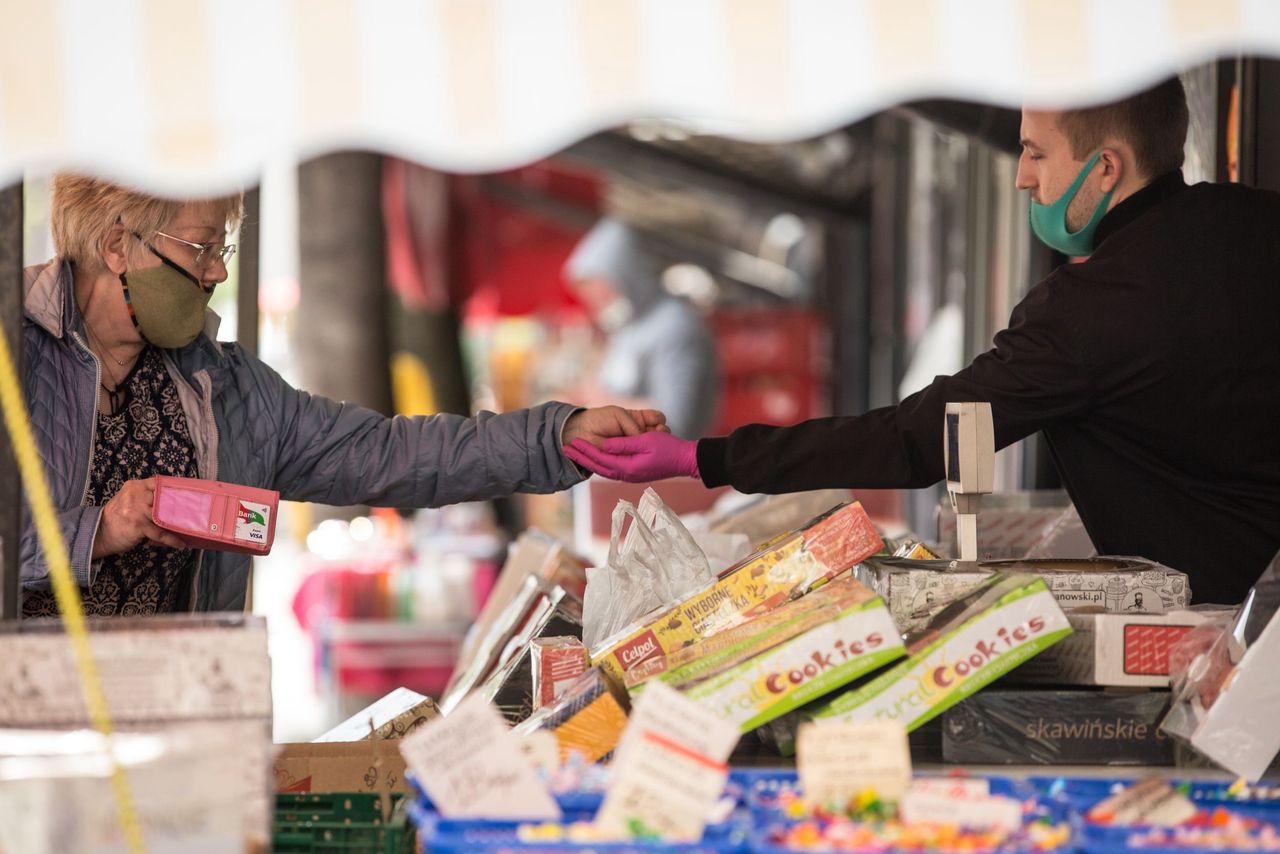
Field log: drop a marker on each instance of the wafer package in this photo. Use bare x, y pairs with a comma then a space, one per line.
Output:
586, 719
842, 633
783, 569
1007, 620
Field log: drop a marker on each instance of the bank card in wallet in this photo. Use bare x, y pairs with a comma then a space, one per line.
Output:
209, 514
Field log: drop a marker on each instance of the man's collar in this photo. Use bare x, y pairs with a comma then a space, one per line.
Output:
1139, 203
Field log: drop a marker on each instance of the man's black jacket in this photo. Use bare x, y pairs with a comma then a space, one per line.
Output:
1153, 369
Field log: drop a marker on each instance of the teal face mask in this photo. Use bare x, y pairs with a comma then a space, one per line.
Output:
1049, 222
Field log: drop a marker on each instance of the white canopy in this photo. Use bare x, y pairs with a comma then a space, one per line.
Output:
197, 94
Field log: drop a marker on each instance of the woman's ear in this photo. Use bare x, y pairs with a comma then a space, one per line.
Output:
1113, 167
114, 249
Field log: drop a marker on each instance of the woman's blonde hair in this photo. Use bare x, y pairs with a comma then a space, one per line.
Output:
85, 208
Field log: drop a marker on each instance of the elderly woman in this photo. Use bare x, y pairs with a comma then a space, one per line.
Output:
125, 382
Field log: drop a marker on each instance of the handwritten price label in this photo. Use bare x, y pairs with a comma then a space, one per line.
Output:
472, 766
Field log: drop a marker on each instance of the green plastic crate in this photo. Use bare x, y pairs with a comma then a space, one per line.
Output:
340, 823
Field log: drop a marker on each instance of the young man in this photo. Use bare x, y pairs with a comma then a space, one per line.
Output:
1152, 366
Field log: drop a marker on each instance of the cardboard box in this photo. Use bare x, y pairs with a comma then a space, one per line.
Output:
708, 656
394, 716
783, 569
353, 766
856, 637
152, 669
1115, 649
1007, 620
1036, 727
200, 786
917, 589
169, 675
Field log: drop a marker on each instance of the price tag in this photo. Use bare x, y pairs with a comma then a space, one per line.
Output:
1149, 801
955, 808
670, 770
839, 759
664, 710
542, 750
952, 787
472, 766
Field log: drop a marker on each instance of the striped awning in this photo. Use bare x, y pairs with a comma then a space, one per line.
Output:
198, 94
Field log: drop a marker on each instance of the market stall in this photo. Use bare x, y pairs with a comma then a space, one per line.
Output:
624, 713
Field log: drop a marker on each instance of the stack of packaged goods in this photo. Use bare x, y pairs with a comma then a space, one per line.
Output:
1097, 696
190, 700
608, 716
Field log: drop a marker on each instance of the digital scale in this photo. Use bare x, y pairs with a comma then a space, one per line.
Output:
969, 449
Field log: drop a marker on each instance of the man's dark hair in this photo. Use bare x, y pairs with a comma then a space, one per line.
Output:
1154, 122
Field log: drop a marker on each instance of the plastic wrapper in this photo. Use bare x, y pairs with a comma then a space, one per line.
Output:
1009, 523
536, 561
653, 564
586, 719
1033, 727
1064, 537
1225, 695
1260, 605
554, 613
761, 519
787, 567
975, 640
556, 663
918, 589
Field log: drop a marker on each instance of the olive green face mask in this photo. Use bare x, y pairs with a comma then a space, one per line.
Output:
167, 303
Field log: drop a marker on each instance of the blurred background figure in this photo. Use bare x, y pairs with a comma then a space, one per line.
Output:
659, 348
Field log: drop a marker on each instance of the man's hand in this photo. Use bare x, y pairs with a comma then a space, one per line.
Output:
608, 422
638, 459
126, 521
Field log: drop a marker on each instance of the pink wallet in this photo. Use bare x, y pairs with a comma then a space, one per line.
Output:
209, 514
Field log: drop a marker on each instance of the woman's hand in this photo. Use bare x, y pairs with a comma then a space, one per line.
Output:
126, 521
608, 422
638, 459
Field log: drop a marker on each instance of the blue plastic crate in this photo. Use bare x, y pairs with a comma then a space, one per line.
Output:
1083, 793
438, 836
767, 818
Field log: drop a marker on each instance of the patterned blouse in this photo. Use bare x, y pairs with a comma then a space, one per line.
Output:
147, 435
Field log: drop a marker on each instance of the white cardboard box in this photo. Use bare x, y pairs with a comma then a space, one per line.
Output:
154, 669
916, 589
1114, 649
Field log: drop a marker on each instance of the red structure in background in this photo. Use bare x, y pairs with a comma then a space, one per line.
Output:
508, 255
775, 361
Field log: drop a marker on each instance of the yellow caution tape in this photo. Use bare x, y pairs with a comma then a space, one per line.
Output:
64, 587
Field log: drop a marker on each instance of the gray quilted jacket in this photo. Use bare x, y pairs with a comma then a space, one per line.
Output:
250, 427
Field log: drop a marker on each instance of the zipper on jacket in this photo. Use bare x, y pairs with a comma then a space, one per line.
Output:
93, 430
206, 389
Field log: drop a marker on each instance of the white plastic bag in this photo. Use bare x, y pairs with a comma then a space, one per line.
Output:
655, 563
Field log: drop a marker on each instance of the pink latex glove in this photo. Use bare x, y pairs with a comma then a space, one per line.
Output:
637, 459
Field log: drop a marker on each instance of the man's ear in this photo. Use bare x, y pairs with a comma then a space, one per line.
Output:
114, 249
1113, 168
